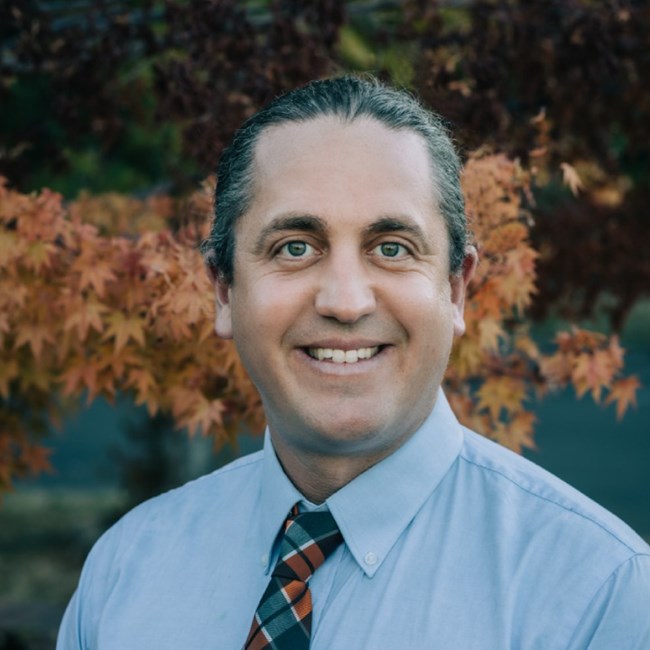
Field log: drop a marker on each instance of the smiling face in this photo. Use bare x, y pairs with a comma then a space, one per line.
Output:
342, 306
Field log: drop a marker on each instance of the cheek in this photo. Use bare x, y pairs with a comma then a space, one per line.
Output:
421, 300
268, 306
428, 318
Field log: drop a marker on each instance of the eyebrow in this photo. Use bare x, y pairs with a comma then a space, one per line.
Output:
291, 222
313, 224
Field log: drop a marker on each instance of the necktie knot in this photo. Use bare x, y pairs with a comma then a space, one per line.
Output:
309, 538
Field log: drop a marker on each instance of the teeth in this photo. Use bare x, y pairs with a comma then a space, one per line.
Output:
342, 356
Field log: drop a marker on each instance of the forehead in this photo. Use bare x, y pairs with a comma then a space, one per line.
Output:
343, 166
365, 134
331, 141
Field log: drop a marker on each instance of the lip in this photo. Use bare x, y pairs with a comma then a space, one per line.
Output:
337, 344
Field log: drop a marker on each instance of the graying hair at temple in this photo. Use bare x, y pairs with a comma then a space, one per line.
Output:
349, 98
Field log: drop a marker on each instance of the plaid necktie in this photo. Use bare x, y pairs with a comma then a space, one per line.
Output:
283, 617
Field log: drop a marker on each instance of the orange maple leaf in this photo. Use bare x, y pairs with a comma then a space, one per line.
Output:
35, 334
179, 329
466, 357
145, 387
617, 353
86, 373
485, 299
516, 291
204, 416
623, 392
190, 302
38, 256
79, 376
123, 329
592, 372
521, 426
515, 434
86, 314
93, 272
527, 346
498, 393
490, 331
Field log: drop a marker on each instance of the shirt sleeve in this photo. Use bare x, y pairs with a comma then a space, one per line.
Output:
69, 630
78, 629
619, 614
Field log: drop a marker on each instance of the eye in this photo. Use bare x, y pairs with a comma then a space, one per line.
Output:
391, 249
296, 249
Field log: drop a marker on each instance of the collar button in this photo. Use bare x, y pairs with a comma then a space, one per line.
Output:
371, 558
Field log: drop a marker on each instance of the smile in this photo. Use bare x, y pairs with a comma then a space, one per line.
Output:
342, 356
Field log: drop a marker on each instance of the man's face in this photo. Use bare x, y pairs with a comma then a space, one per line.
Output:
342, 306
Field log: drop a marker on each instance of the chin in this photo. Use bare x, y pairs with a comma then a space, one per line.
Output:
353, 435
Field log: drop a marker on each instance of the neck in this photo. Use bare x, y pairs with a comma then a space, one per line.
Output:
317, 476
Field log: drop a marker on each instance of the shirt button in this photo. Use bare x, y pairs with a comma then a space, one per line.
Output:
371, 558
264, 559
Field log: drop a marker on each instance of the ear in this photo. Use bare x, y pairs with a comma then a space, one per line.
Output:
459, 282
222, 295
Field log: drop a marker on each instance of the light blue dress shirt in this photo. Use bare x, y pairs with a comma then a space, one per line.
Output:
451, 543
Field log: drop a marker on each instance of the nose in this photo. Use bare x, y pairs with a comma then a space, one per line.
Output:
345, 291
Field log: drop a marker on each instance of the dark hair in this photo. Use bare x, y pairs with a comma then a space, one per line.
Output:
347, 97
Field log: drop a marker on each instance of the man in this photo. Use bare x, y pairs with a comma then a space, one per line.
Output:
340, 266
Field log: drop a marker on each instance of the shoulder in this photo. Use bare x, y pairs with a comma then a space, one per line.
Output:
562, 553
190, 524
537, 513
210, 502
528, 485
214, 492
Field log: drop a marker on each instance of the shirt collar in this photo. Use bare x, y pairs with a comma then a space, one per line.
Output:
373, 510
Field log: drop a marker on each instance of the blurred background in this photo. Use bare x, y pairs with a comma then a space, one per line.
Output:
137, 99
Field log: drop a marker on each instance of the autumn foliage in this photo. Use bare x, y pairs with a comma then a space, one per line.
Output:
108, 293
101, 296
497, 367
546, 82
85, 311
